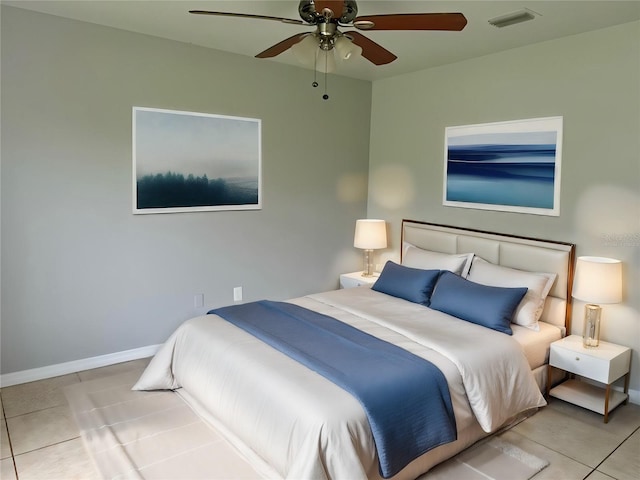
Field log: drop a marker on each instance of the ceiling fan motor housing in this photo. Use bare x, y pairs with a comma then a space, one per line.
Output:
343, 11
326, 34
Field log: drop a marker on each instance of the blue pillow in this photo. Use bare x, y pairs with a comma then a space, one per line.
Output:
411, 284
491, 307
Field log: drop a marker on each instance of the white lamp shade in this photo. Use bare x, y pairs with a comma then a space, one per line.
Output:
346, 48
326, 61
598, 280
305, 50
370, 234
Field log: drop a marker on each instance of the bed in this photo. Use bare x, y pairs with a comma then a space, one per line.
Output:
290, 421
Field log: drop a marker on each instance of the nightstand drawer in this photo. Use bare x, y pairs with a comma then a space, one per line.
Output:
580, 364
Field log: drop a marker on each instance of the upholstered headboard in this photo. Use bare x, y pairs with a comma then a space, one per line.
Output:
523, 253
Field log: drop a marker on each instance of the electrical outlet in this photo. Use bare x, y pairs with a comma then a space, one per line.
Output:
237, 294
198, 300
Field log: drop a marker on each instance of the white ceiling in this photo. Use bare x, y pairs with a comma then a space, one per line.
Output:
416, 50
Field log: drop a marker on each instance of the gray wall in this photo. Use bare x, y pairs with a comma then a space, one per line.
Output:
81, 275
593, 81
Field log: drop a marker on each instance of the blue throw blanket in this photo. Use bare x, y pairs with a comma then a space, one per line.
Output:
405, 397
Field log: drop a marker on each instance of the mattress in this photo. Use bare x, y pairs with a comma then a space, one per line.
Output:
536, 344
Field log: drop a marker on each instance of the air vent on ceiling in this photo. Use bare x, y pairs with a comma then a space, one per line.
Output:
520, 16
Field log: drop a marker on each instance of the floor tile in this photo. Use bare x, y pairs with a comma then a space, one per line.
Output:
126, 378
63, 461
580, 435
107, 371
42, 428
623, 421
596, 475
7, 470
219, 463
624, 463
163, 445
5, 448
34, 396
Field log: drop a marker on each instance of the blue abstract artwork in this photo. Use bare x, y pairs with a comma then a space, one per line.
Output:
508, 166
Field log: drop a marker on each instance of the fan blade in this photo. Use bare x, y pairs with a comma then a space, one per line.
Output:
278, 48
412, 21
247, 15
373, 52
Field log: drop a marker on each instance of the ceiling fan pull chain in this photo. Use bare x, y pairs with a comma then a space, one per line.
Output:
325, 96
326, 68
315, 70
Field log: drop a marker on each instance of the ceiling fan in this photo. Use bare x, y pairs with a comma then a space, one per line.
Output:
327, 16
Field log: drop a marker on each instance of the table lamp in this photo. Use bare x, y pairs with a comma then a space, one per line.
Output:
370, 235
597, 280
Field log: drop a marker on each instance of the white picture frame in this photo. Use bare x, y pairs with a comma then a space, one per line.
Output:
511, 166
192, 162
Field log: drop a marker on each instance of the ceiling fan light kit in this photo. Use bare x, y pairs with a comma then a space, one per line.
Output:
346, 48
309, 53
325, 61
317, 48
305, 50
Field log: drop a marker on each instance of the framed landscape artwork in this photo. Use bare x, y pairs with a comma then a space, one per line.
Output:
188, 162
509, 166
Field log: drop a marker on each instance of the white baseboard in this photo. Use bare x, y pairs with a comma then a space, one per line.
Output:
50, 371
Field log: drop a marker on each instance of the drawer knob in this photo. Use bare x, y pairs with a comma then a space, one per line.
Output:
578, 359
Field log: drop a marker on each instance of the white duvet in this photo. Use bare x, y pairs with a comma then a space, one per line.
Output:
293, 423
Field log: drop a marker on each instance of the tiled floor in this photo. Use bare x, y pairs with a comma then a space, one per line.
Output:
41, 441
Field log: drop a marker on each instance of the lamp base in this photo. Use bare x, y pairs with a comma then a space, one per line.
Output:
368, 263
591, 330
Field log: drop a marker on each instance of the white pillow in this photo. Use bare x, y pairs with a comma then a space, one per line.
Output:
539, 284
415, 257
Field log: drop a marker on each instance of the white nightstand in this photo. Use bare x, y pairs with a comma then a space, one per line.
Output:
604, 364
355, 279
